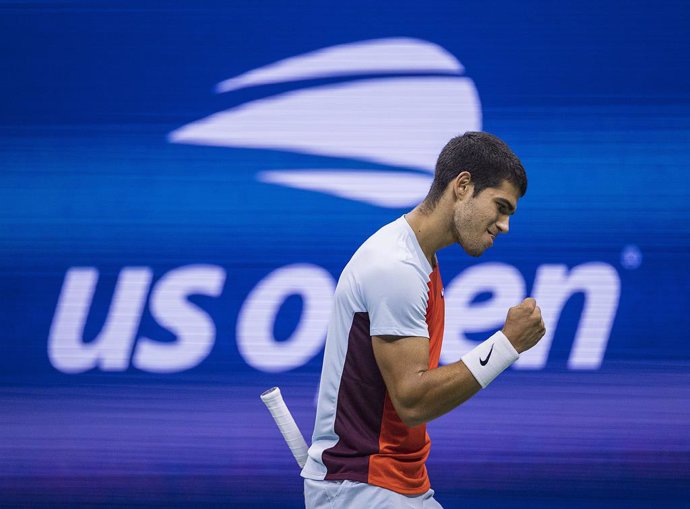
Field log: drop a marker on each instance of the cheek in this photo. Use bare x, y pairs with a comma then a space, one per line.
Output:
490, 217
482, 219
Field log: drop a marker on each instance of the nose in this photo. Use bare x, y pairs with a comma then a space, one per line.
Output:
503, 224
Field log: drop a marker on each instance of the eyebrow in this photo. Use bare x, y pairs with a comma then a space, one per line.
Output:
507, 204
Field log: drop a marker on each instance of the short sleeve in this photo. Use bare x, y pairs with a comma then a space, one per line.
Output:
396, 297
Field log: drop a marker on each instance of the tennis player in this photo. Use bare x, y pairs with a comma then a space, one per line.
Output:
380, 382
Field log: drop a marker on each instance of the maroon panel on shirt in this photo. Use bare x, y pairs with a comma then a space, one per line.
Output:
359, 410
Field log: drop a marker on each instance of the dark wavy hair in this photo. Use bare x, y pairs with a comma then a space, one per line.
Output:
488, 160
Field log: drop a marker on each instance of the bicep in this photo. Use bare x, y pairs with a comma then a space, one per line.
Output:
401, 360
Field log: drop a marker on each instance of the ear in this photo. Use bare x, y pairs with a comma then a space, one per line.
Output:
462, 185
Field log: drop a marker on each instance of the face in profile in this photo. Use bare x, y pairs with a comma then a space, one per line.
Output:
478, 220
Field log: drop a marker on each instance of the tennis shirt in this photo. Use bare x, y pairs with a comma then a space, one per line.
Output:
387, 289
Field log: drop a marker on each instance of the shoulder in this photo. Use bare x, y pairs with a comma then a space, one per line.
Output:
393, 278
391, 250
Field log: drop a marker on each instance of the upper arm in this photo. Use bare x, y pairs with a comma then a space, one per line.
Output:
401, 360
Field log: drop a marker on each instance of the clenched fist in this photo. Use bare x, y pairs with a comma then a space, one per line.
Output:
524, 326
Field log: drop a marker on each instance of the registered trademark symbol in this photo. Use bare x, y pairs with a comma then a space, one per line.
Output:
631, 257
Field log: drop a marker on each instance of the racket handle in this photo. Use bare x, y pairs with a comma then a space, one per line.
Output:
286, 424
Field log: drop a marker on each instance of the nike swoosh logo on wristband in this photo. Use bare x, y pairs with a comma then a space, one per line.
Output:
483, 362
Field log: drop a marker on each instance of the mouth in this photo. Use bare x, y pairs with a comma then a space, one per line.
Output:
492, 235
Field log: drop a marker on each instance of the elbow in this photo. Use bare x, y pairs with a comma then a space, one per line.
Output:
412, 421
409, 404
410, 415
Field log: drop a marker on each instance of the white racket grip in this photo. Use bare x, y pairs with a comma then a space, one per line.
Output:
286, 424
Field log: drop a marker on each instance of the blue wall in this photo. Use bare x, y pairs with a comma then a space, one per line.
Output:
168, 249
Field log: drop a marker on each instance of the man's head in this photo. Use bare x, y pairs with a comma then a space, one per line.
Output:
488, 160
480, 180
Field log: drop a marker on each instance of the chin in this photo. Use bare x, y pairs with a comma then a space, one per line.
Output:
474, 252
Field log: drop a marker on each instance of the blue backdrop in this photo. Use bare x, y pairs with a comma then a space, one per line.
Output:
181, 184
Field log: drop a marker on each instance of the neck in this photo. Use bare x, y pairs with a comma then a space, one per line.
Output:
431, 229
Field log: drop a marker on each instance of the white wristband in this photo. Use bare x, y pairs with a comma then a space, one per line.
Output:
490, 358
